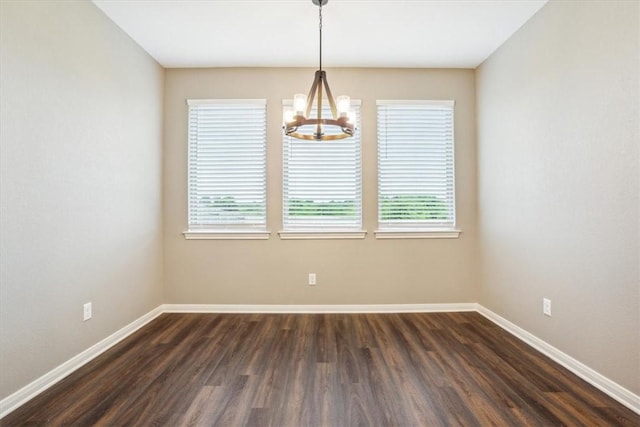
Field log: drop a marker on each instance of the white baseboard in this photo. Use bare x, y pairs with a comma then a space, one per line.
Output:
36, 387
337, 308
615, 390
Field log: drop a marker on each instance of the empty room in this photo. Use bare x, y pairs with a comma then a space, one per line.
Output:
320, 213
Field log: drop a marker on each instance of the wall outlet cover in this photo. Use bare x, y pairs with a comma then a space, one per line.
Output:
86, 312
546, 306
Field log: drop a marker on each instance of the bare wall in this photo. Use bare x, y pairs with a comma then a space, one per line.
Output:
80, 199
275, 271
559, 183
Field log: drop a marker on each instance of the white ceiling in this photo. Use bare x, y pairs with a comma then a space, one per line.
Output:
356, 33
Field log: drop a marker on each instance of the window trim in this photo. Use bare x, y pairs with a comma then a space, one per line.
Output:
417, 234
322, 235
226, 235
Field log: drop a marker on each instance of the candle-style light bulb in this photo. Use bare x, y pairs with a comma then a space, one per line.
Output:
299, 103
351, 117
287, 115
344, 104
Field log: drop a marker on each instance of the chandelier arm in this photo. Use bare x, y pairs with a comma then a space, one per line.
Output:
319, 106
312, 94
332, 103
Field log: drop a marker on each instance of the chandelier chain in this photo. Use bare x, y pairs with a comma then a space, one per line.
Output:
320, 28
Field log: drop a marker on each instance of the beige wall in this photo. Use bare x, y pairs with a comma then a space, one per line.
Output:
348, 271
80, 176
558, 168
81, 200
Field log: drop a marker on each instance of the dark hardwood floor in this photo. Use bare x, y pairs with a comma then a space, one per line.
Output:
435, 369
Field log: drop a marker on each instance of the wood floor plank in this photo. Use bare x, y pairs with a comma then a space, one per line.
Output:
299, 370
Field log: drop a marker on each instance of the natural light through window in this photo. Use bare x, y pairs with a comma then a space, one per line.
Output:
416, 177
227, 167
322, 189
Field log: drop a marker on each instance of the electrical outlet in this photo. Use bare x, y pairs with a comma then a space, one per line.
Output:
312, 279
86, 312
546, 306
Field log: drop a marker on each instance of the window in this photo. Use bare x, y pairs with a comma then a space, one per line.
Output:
416, 168
227, 168
322, 185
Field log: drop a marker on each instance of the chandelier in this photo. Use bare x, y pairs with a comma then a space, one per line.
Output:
297, 121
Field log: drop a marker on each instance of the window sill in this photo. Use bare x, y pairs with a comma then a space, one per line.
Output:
312, 235
417, 234
226, 235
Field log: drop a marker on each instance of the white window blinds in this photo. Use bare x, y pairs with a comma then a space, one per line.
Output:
227, 164
416, 165
322, 182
